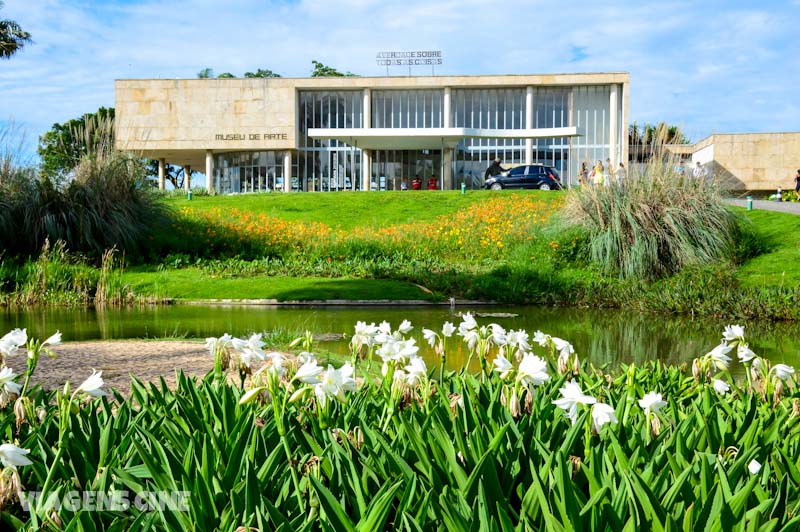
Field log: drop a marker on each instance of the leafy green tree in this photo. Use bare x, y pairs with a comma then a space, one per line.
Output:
261, 73
206, 73
173, 174
225, 75
61, 148
324, 71
12, 37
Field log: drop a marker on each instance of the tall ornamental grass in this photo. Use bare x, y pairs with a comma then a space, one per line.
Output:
654, 222
537, 440
105, 203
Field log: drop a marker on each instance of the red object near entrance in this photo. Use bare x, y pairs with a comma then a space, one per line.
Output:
416, 184
433, 184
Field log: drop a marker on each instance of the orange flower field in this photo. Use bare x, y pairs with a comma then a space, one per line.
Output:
483, 230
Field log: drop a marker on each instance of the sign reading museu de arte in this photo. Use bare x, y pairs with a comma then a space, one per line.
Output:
251, 136
415, 58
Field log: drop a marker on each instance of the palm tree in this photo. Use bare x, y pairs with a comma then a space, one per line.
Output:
12, 37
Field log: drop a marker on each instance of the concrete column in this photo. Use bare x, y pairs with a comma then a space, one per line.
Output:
187, 178
612, 126
209, 171
366, 169
287, 171
447, 174
162, 170
367, 109
624, 125
366, 155
446, 108
529, 124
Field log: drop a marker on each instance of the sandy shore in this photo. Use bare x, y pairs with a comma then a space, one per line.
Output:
118, 360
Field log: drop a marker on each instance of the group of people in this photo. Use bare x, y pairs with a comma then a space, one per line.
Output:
601, 174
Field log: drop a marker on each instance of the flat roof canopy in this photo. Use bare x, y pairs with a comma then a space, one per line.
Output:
429, 138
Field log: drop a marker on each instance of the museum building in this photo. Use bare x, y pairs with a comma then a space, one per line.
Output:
372, 133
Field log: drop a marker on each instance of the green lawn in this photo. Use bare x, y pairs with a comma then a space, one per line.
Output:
346, 210
192, 284
780, 264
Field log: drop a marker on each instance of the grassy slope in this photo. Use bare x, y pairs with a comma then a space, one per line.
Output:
190, 284
780, 264
346, 210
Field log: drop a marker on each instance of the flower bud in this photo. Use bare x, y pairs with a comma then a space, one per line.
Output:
776, 397
20, 409
514, 405
696, 370
655, 425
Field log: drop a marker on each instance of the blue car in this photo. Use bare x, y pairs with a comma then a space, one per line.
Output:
535, 176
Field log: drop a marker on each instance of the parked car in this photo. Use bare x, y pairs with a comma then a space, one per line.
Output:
526, 176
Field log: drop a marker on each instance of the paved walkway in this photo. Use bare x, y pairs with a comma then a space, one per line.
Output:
764, 205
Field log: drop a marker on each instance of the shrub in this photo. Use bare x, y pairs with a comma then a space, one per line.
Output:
653, 224
104, 206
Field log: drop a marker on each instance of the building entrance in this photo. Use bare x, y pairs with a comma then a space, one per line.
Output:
406, 170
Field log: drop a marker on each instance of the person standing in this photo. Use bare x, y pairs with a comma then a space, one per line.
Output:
494, 169
620, 174
583, 175
699, 171
599, 178
797, 184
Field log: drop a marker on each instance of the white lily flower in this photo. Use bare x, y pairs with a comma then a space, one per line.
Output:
782, 371
532, 371
541, 338
277, 363
364, 334
93, 385
518, 340
721, 387
53, 340
744, 353
7, 384
652, 403
305, 357
602, 413
335, 383
13, 456
754, 467
12, 341
429, 336
502, 366
720, 356
471, 337
733, 333
416, 371
309, 372
467, 324
498, 334
384, 327
405, 327
216, 344
448, 329
571, 397
16, 337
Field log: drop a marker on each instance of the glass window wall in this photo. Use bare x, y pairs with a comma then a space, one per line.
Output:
407, 108
260, 171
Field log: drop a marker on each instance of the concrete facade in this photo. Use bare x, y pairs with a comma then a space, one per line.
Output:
750, 161
186, 122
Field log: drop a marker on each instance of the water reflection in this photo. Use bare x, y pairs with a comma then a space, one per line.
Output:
600, 335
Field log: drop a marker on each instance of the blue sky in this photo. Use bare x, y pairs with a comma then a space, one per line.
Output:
707, 66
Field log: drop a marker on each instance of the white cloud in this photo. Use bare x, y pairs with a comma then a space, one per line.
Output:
708, 68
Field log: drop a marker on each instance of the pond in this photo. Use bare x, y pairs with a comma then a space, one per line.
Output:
599, 335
